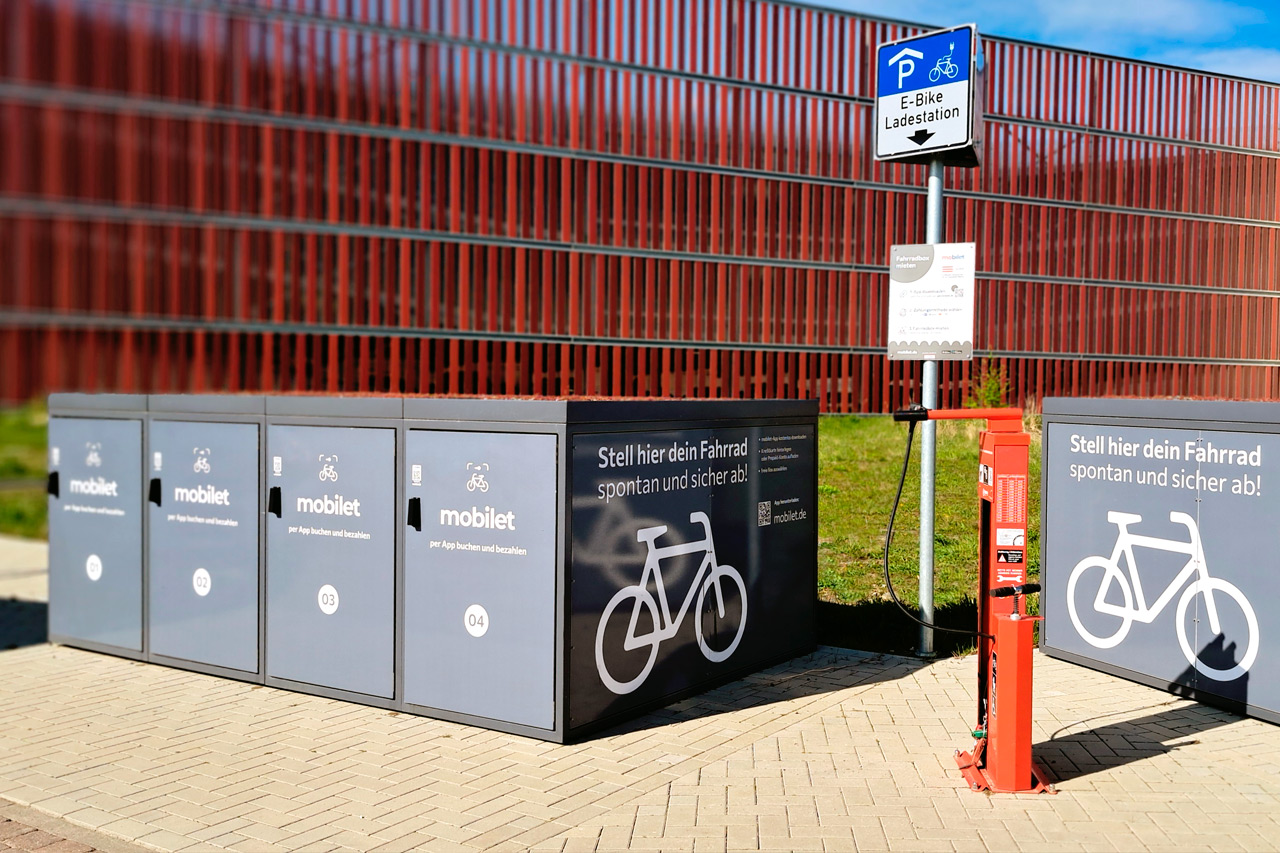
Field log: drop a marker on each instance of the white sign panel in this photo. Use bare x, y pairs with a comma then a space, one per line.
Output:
924, 93
931, 301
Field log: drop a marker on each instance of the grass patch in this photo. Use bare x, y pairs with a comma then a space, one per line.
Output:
24, 512
859, 462
23, 443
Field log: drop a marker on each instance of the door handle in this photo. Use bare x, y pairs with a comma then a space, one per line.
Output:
273, 502
415, 514
154, 497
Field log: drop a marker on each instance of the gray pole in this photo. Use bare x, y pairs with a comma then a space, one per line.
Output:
929, 432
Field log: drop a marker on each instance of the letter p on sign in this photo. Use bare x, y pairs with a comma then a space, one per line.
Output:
906, 64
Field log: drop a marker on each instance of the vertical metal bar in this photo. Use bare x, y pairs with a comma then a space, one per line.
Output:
928, 433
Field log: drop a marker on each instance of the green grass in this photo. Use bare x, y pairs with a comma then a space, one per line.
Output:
23, 442
23, 509
859, 461
24, 512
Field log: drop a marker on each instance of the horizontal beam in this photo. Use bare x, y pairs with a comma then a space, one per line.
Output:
120, 104
39, 208
230, 10
123, 322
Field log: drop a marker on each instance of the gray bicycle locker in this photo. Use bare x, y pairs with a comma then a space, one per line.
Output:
95, 521
1130, 488
480, 561
203, 542
466, 559
330, 469
714, 502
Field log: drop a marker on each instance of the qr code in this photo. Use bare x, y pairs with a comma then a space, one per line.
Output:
764, 513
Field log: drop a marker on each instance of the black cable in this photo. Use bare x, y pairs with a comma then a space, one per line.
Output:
888, 538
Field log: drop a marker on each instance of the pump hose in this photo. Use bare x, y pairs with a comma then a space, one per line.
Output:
888, 538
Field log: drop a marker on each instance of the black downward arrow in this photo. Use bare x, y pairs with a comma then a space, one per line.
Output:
920, 137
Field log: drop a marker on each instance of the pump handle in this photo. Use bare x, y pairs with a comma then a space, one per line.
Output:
1020, 589
998, 420
914, 412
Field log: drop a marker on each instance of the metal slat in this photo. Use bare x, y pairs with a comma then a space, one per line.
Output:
693, 248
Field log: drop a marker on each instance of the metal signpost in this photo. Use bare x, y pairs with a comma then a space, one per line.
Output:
928, 112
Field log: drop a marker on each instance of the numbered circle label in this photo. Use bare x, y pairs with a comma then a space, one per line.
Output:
201, 582
328, 599
476, 620
93, 567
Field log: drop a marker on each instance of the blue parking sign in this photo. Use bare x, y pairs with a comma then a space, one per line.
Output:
924, 94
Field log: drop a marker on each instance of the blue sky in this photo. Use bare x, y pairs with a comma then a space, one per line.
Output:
1240, 38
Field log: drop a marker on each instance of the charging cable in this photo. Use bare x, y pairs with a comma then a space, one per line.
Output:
911, 416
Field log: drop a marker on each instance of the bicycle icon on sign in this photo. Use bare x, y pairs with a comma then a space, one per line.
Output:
201, 465
944, 67
328, 472
477, 480
1135, 607
710, 575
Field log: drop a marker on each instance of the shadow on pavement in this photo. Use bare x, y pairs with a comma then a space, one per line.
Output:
879, 626
824, 671
1070, 756
23, 623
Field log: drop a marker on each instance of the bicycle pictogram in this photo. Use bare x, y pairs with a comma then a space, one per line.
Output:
477, 480
944, 67
1135, 607
710, 576
94, 459
201, 465
328, 472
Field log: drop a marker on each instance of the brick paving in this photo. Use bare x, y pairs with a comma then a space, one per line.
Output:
839, 750
29, 830
19, 836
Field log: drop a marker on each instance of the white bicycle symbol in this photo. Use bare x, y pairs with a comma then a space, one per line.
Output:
944, 66
1131, 589
477, 480
201, 465
710, 575
328, 472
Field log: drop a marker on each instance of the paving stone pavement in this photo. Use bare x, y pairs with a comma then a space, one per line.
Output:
27, 829
838, 750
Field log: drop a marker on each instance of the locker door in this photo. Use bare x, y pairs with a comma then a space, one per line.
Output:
95, 531
331, 557
480, 574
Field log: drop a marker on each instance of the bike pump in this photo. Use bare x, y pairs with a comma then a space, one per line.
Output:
1000, 760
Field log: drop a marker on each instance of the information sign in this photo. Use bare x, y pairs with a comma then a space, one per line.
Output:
925, 96
931, 301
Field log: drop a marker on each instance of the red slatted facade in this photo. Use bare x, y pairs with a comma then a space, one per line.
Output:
625, 197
